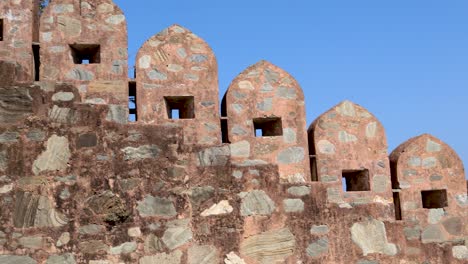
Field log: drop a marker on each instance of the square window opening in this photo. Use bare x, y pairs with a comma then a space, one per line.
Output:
268, 127
356, 180
1, 29
180, 107
434, 199
86, 53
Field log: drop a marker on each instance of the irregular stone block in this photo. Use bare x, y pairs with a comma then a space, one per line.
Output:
142, 152
15, 104
62, 115
215, 156
32, 242
299, 190
318, 248
153, 244
319, 230
269, 247
232, 258
9, 137
63, 97
156, 206
460, 252
93, 247
125, 248
371, 237
177, 236
61, 259
435, 215
92, 229
108, 206
56, 156
433, 234
453, 225
256, 202
117, 114
36, 211
3, 160
36, 135
9, 259
293, 205
220, 208
240, 149
87, 140
326, 147
203, 255
172, 258
198, 195
291, 155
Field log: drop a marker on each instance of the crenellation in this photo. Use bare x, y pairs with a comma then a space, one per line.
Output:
85, 43
190, 180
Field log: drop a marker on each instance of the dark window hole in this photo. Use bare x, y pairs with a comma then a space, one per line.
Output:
268, 127
356, 180
86, 53
180, 107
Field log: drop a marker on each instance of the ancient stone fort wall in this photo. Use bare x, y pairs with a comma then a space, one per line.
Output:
195, 180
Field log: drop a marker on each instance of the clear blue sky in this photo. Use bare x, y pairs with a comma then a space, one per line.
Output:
405, 61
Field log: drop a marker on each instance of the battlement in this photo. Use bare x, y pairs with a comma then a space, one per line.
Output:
192, 179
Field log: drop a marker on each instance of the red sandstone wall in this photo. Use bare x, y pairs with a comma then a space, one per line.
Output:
261, 92
18, 27
98, 22
176, 62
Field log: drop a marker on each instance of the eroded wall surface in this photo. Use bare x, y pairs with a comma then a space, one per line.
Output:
19, 22
348, 140
81, 184
429, 179
265, 97
85, 43
176, 69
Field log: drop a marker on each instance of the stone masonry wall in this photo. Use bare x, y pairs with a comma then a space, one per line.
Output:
81, 184
347, 138
265, 96
18, 17
173, 67
86, 24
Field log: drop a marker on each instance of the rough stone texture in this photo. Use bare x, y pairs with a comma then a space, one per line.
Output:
85, 24
232, 258
32, 210
172, 258
203, 254
256, 203
272, 246
371, 237
61, 259
347, 138
293, 205
20, 30
9, 259
79, 183
15, 103
445, 164
460, 252
220, 208
173, 63
318, 248
55, 157
177, 235
240, 103
156, 206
